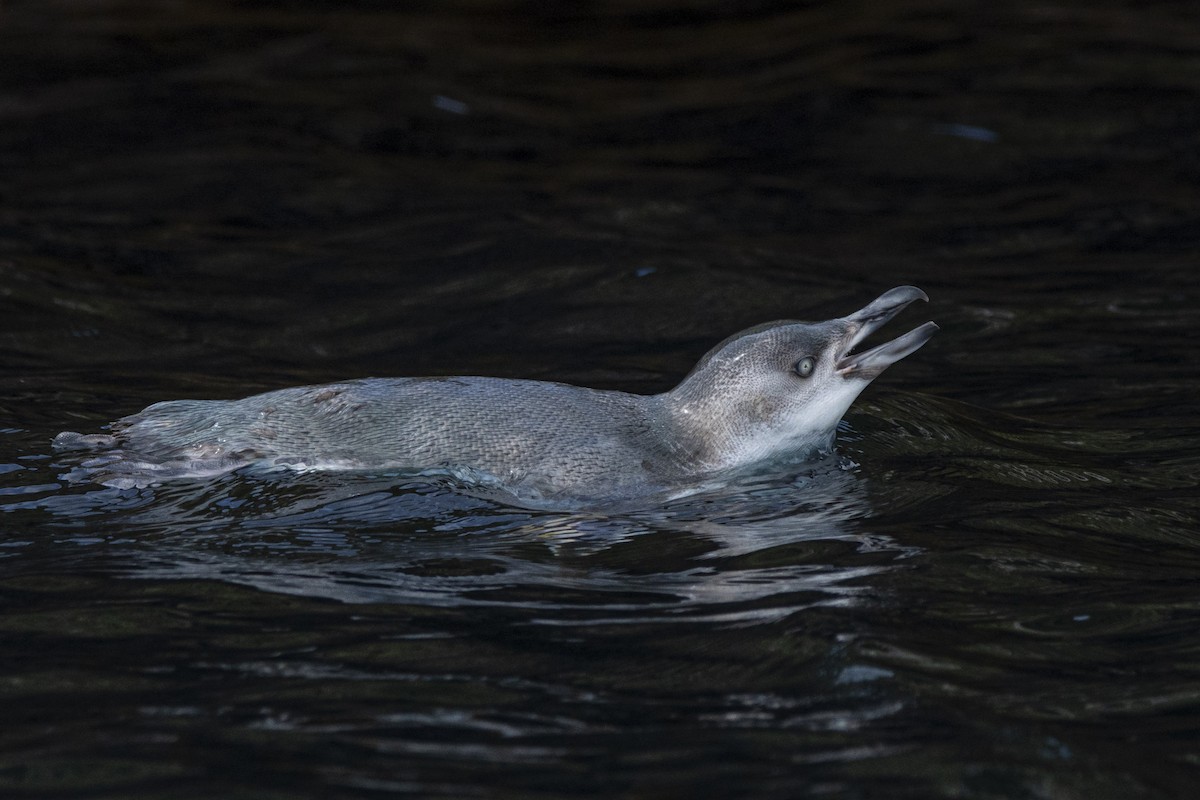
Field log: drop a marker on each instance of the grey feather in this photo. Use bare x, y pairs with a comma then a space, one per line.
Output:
741, 405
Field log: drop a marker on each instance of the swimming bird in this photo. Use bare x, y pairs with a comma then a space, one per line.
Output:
772, 392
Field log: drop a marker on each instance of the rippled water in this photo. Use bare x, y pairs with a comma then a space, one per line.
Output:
990, 593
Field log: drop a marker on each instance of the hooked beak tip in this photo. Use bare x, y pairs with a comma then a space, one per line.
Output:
869, 319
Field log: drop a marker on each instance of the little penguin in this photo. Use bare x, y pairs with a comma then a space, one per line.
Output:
772, 392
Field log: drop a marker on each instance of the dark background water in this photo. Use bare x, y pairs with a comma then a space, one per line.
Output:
996, 598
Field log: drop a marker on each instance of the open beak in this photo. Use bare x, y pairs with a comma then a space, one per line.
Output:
866, 321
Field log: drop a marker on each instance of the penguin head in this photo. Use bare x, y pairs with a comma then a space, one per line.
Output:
782, 387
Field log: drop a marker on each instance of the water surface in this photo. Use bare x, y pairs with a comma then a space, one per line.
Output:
991, 593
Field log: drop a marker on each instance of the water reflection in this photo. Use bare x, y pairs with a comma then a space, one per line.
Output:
991, 605
754, 551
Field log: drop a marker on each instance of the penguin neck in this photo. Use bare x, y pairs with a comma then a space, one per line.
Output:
725, 429
709, 429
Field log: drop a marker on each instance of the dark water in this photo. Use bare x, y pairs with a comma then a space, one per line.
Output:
992, 595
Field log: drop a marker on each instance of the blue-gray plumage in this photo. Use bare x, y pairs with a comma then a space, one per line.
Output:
775, 390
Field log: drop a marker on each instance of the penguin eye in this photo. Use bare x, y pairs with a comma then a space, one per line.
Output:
805, 366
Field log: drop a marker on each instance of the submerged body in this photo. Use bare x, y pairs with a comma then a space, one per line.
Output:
772, 391
533, 438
